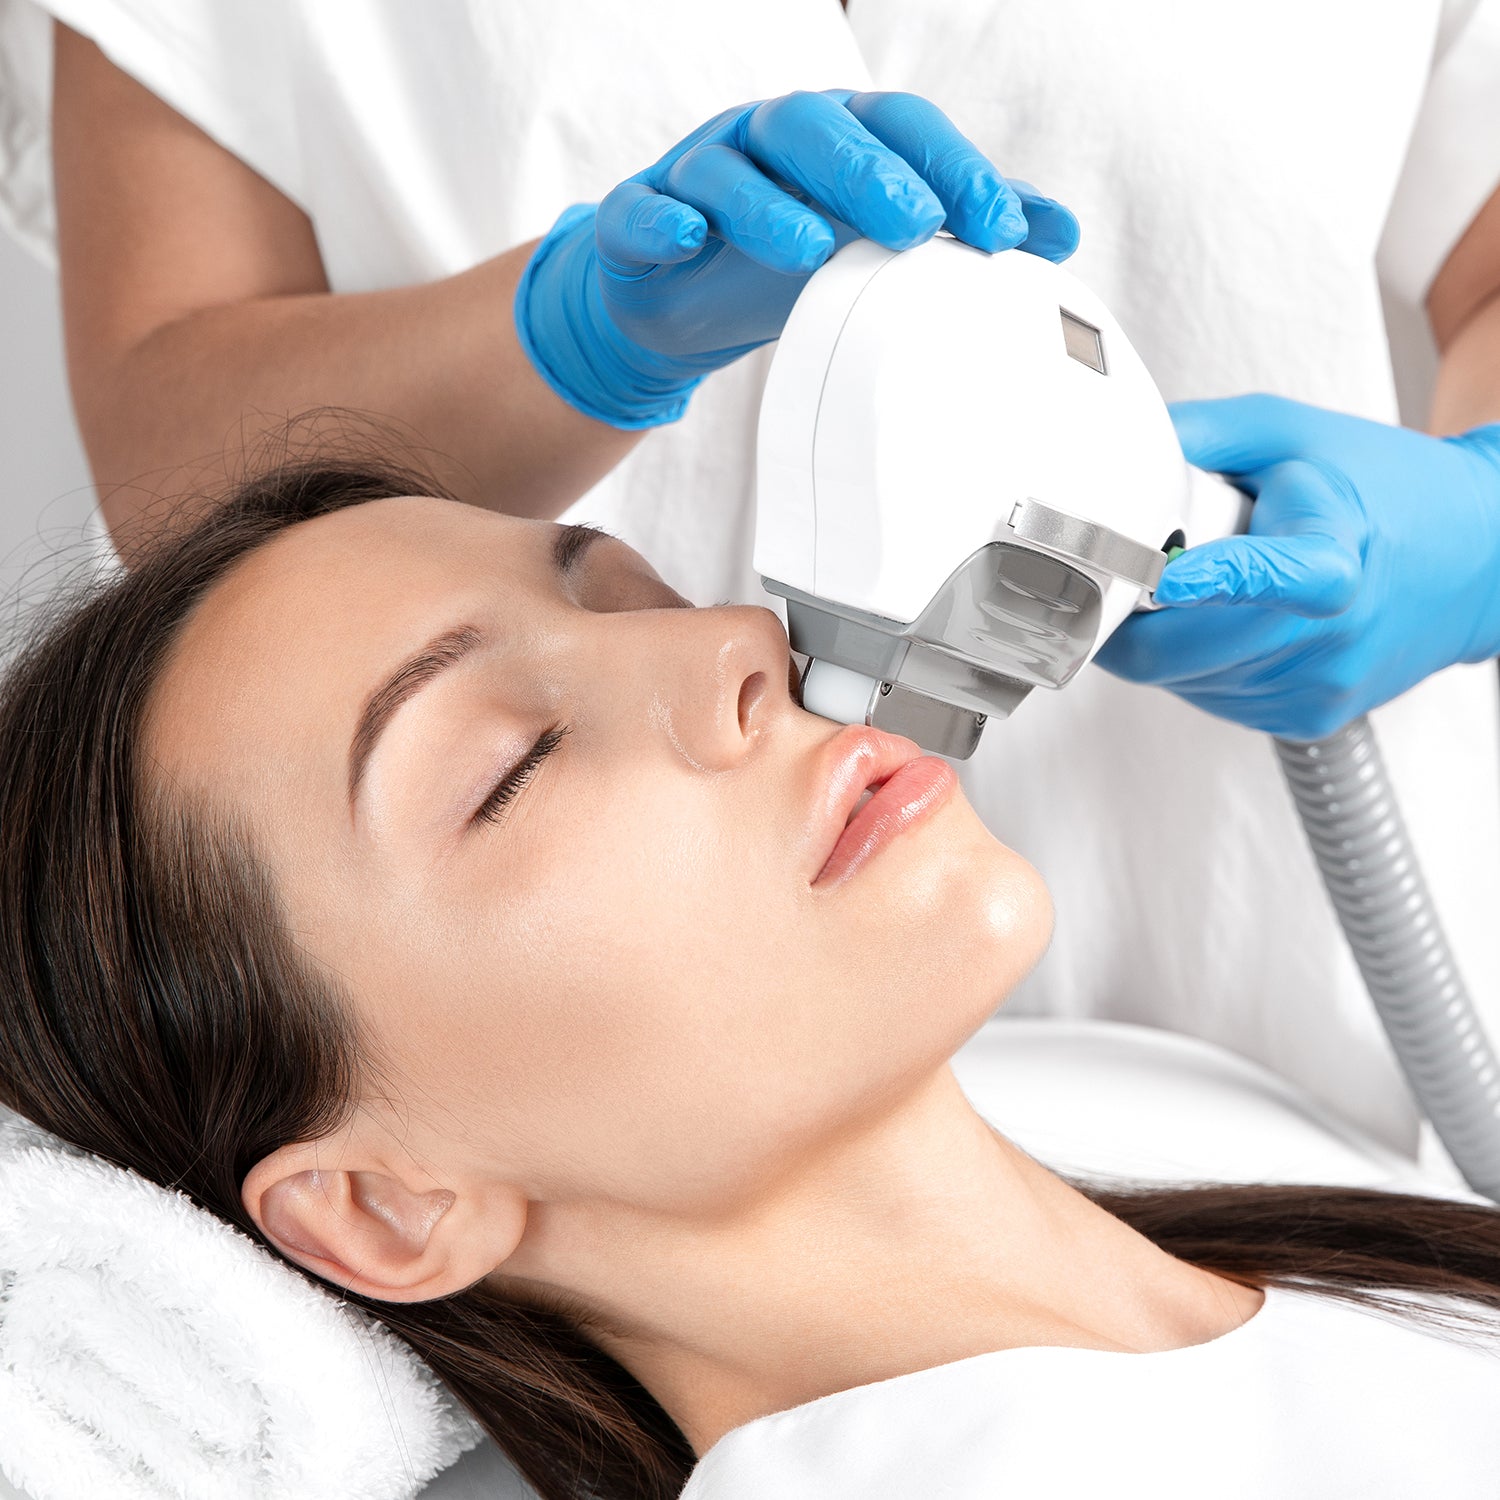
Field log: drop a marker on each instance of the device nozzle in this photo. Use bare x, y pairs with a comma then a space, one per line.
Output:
849, 697
837, 693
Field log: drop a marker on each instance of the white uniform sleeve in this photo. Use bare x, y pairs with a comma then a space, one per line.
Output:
1453, 163
25, 166
222, 66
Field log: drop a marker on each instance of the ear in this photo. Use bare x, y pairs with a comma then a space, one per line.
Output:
385, 1230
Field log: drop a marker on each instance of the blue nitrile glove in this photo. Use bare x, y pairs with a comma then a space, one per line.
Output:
697, 260
1372, 561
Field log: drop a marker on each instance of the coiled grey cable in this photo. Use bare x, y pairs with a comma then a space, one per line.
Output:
1352, 821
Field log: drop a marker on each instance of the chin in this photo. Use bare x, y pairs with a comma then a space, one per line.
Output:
1019, 917
966, 921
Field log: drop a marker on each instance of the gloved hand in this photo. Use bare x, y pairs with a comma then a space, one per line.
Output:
697, 260
1372, 561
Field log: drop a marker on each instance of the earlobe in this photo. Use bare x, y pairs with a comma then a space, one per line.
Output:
377, 1234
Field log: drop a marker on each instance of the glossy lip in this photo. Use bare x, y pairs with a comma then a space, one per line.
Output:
858, 759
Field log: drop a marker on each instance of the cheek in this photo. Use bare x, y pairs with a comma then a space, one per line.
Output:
606, 1007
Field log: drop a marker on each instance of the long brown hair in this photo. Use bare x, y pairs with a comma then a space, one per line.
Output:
154, 1011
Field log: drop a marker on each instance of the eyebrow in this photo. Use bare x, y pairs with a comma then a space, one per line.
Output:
570, 543
440, 653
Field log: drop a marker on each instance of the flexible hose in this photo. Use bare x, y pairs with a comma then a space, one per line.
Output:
1352, 821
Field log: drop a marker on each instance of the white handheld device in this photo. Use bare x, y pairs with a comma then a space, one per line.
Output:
966, 480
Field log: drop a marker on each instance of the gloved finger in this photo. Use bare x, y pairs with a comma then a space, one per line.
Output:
747, 210
813, 143
1174, 647
1052, 229
1305, 552
1241, 434
981, 206
636, 227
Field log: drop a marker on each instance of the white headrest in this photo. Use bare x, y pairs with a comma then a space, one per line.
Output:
147, 1349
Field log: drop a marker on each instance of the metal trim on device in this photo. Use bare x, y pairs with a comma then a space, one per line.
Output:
1089, 542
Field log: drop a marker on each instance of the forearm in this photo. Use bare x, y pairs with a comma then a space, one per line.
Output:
184, 408
1467, 392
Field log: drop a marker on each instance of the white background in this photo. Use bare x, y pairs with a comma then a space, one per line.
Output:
46, 495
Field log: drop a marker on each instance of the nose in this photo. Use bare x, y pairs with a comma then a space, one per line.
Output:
716, 679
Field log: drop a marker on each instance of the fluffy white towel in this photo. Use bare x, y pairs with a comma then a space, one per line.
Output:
148, 1350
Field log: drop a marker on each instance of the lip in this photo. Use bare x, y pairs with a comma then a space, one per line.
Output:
906, 786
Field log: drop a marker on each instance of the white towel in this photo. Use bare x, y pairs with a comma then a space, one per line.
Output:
149, 1350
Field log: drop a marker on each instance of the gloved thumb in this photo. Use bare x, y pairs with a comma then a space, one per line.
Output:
1304, 554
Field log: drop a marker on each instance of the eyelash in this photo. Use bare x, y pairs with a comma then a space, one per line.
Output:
492, 809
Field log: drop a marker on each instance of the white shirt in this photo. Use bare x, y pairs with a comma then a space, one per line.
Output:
1252, 180
1310, 1399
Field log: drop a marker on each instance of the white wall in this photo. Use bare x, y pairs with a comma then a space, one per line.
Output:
46, 494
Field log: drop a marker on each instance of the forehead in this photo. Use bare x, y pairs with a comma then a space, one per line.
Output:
269, 672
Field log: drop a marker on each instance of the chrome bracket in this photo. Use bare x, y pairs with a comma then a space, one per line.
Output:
1088, 542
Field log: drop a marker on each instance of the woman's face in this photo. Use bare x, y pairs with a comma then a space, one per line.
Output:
575, 889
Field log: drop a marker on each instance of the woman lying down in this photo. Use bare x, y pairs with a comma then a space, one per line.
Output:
437, 897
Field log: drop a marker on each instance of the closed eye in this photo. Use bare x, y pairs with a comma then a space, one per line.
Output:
505, 791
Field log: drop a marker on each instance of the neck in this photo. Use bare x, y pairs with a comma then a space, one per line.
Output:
922, 1239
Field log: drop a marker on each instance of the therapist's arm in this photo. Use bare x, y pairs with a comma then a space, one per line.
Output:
198, 319
1463, 307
